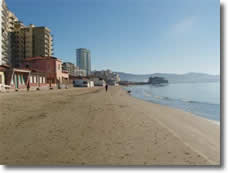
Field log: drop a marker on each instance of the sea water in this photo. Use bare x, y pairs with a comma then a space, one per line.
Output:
202, 99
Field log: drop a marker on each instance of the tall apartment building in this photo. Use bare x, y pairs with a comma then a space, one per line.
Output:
31, 42
19, 41
11, 22
4, 33
42, 42
84, 60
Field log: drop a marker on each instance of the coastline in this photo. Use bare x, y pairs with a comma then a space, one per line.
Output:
91, 127
192, 114
186, 115
180, 104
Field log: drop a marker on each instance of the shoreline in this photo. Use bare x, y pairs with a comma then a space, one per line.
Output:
84, 126
185, 113
194, 114
197, 115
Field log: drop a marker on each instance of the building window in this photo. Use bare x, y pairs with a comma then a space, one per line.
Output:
0, 79
58, 66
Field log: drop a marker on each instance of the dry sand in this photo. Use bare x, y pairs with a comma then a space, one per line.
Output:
91, 127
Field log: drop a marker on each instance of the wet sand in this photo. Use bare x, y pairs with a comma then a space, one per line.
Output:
92, 127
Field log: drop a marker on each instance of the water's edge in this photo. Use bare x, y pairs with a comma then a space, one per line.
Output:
217, 122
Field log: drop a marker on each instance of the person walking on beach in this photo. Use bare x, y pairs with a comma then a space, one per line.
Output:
106, 87
28, 85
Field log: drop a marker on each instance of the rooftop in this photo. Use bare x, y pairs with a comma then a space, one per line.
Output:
41, 58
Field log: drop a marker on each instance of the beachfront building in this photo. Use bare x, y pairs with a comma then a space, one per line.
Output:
110, 77
37, 79
73, 70
70, 68
12, 44
83, 58
30, 41
2, 77
17, 44
17, 78
18, 41
4, 57
7, 25
51, 66
81, 72
14, 78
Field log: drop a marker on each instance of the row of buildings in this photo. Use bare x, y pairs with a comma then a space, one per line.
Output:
26, 54
26, 57
110, 77
34, 72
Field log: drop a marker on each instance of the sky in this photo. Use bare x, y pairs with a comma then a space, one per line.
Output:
134, 36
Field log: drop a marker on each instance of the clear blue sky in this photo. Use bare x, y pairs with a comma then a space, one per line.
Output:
136, 36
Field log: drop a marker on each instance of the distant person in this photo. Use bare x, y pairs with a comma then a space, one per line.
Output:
28, 86
106, 87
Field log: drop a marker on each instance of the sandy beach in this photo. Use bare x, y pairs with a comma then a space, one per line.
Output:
91, 127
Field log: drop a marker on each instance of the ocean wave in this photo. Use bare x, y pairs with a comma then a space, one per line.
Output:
163, 98
182, 100
147, 94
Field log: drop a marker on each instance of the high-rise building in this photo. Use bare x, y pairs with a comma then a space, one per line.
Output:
4, 34
42, 41
84, 60
31, 42
18, 41
7, 26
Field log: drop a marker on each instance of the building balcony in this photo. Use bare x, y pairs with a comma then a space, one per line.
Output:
47, 31
4, 12
4, 19
46, 35
46, 39
46, 42
5, 53
12, 28
5, 35
5, 45
5, 42
47, 46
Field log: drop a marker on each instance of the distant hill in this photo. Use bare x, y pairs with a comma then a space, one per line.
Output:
172, 78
